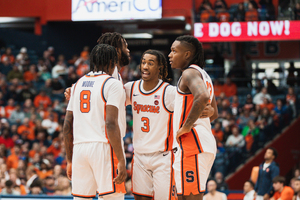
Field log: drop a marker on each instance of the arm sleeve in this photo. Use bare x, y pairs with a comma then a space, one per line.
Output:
70, 104
274, 173
169, 97
114, 93
287, 195
128, 87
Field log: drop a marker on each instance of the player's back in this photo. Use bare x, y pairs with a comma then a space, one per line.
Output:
88, 103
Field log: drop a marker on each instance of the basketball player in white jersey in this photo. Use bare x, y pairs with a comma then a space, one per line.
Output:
152, 101
93, 140
197, 144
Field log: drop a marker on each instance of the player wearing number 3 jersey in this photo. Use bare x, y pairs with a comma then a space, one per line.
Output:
92, 126
197, 144
152, 107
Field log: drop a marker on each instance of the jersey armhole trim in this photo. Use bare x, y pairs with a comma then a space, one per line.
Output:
163, 99
131, 90
102, 89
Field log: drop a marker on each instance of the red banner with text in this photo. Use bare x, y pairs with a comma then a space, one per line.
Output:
247, 31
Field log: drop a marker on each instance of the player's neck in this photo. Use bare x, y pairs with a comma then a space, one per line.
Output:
119, 67
150, 85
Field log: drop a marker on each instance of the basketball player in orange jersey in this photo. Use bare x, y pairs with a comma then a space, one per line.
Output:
93, 139
197, 150
152, 100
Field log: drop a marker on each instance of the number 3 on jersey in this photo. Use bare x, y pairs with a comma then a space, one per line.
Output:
146, 127
85, 103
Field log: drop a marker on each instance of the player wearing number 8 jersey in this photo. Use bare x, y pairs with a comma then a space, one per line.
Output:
92, 126
152, 106
197, 150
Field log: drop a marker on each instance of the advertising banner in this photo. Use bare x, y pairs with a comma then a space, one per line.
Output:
247, 31
99, 10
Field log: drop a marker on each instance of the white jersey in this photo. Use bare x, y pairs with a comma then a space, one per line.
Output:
202, 139
89, 97
152, 116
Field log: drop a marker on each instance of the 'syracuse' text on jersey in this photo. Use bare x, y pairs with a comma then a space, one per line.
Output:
152, 127
89, 98
200, 139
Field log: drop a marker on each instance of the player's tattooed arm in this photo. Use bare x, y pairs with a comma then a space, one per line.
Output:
68, 135
192, 80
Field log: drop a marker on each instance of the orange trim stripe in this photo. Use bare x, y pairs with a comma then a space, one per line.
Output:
163, 100
112, 169
102, 95
86, 196
131, 92
95, 75
75, 87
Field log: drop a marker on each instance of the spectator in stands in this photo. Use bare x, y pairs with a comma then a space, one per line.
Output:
8, 56
281, 191
297, 11
250, 133
249, 190
221, 184
51, 52
59, 69
213, 194
15, 73
267, 171
26, 131
217, 132
17, 116
251, 13
31, 176
42, 99
9, 190
236, 139
229, 88
31, 74
220, 4
85, 53
207, 14
297, 189
22, 58
239, 15
49, 187
270, 10
291, 100
218, 88
36, 188
13, 159
259, 97
267, 104
5, 66
223, 15
6, 139
63, 186
244, 118
291, 78
280, 109
202, 6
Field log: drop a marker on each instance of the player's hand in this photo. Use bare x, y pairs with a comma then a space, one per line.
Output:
67, 93
69, 171
207, 112
183, 130
122, 174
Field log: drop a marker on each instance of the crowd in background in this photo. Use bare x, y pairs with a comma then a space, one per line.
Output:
247, 10
33, 107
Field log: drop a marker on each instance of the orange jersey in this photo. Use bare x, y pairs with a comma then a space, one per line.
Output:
28, 131
286, 194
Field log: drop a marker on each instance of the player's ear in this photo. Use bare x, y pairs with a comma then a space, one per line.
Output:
187, 55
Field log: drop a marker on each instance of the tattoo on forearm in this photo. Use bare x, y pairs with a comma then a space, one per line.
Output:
68, 135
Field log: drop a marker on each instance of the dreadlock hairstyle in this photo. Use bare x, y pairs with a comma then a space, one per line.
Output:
162, 63
114, 39
102, 57
196, 49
